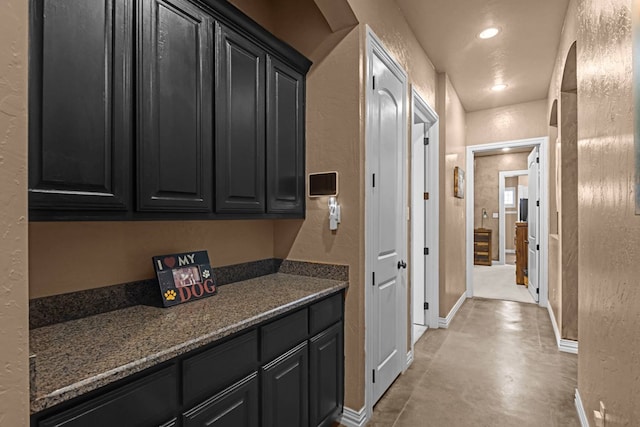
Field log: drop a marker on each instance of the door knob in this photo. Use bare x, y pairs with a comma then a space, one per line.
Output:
402, 264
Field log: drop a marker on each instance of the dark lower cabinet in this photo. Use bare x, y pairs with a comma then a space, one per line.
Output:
273, 375
285, 390
285, 138
236, 406
326, 356
149, 401
240, 123
175, 78
80, 122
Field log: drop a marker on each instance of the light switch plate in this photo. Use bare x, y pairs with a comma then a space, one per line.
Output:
495, 215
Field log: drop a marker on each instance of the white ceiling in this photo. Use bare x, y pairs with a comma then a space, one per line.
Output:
522, 55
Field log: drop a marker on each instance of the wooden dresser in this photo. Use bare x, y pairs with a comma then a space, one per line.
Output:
522, 251
482, 246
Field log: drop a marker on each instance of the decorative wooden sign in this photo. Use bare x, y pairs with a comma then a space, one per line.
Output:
184, 277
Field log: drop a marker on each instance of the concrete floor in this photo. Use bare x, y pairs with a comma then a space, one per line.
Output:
497, 365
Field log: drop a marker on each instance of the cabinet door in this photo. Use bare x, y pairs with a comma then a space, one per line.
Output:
326, 376
285, 390
236, 406
240, 124
285, 139
80, 104
175, 107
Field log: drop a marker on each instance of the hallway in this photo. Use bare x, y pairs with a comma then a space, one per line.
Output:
497, 365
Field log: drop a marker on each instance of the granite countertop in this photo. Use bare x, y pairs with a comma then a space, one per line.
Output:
75, 357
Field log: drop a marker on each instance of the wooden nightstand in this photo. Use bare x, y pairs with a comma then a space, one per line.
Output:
482, 246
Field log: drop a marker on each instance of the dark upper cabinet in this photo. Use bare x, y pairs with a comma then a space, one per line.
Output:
175, 79
285, 390
326, 357
285, 139
80, 104
240, 123
162, 109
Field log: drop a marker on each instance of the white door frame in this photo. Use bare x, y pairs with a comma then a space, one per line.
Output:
375, 45
502, 229
543, 143
424, 214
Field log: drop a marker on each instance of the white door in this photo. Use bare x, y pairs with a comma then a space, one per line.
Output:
387, 231
419, 153
533, 223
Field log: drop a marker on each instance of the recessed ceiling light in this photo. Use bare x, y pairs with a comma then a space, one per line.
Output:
499, 87
489, 33
506, 149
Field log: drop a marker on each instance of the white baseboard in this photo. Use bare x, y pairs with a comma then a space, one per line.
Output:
351, 418
566, 346
584, 421
443, 322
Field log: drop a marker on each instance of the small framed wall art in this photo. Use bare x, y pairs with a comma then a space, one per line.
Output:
458, 182
184, 277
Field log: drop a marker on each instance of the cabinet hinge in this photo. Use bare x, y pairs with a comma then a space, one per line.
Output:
537, 202
426, 251
537, 159
426, 141
374, 180
537, 247
426, 196
374, 375
374, 82
426, 306
373, 278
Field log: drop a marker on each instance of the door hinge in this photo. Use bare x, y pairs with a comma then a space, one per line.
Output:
373, 278
374, 180
374, 376
537, 159
426, 251
537, 202
426, 196
537, 247
537, 290
426, 141
374, 82
426, 306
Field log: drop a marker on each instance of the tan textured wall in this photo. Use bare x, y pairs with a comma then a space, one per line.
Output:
518, 121
70, 256
14, 326
486, 195
556, 248
452, 209
335, 141
568, 227
609, 234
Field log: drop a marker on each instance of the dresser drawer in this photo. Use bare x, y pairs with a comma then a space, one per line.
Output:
325, 313
218, 367
481, 237
282, 335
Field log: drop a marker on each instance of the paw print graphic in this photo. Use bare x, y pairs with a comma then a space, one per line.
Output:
170, 295
206, 274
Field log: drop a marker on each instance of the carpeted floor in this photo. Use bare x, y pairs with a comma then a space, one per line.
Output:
499, 282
